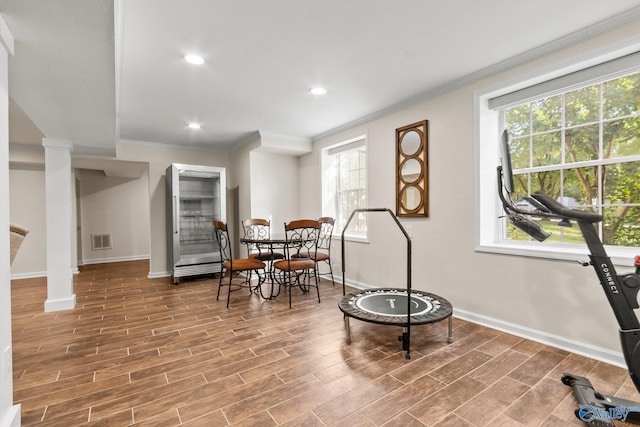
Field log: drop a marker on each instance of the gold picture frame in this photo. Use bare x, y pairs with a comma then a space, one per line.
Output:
412, 170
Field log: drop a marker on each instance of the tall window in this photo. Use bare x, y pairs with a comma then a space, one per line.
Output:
582, 147
575, 135
345, 184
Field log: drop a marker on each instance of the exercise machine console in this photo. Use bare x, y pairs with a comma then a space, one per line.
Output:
621, 290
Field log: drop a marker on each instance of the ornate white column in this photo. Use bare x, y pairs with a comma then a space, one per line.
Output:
59, 204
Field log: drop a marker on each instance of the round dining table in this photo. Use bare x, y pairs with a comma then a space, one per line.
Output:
270, 245
267, 245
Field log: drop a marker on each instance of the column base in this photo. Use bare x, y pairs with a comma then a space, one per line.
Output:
11, 417
60, 304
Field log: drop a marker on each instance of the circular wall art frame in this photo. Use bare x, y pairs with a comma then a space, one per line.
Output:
412, 170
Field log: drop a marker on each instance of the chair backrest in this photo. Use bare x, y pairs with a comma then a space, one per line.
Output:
326, 231
303, 236
256, 228
222, 234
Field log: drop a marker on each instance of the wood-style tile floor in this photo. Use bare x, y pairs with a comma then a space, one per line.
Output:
139, 351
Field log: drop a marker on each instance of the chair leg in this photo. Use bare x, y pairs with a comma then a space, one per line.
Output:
249, 276
258, 287
331, 272
219, 284
315, 275
289, 285
328, 261
229, 292
301, 279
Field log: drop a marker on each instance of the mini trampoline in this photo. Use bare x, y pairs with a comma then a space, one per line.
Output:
393, 306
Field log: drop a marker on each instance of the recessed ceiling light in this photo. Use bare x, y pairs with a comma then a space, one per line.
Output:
194, 59
194, 125
318, 90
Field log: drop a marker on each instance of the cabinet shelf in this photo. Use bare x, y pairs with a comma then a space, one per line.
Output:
196, 196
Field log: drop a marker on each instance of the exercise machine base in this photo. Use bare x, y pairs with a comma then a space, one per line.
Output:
597, 409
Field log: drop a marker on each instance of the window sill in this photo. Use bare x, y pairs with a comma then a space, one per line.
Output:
351, 238
620, 256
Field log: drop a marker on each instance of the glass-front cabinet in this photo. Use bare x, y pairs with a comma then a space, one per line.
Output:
195, 198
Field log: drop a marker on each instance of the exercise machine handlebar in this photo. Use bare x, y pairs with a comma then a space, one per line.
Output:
563, 211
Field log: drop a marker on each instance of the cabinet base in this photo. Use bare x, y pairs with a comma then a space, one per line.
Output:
195, 270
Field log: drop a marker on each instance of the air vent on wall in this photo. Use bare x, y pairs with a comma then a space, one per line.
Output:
100, 241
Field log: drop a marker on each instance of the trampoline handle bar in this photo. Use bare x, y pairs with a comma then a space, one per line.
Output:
406, 235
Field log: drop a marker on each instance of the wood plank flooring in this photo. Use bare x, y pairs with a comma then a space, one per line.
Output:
145, 352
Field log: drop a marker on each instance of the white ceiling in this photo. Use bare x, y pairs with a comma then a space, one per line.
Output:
95, 72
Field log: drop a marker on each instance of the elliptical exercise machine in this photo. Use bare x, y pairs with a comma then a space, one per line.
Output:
621, 290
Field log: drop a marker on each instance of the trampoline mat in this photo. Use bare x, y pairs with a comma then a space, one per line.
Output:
388, 306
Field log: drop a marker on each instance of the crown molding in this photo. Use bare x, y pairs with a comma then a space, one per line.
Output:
166, 146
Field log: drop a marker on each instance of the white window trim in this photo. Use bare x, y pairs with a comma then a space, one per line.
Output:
487, 207
327, 209
349, 237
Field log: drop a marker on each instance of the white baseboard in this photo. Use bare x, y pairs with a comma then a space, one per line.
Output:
352, 283
601, 354
112, 259
584, 349
60, 304
31, 275
157, 274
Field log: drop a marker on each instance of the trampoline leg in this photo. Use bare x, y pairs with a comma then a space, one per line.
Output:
347, 330
406, 352
450, 338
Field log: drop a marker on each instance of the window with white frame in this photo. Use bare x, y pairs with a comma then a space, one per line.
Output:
344, 185
575, 137
582, 147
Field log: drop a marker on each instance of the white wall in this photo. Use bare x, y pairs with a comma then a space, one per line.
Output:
274, 188
240, 188
266, 185
553, 299
117, 206
27, 194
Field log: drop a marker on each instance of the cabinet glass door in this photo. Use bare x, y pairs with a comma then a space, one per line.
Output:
199, 206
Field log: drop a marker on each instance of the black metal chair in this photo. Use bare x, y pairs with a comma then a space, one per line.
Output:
259, 229
238, 265
324, 244
323, 251
296, 270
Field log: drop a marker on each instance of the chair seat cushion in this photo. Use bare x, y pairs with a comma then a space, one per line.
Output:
295, 264
320, 256
266, 256
317, 256
243, 264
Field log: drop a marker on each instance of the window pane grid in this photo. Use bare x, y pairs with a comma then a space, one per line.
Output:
582, 147
351, 189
